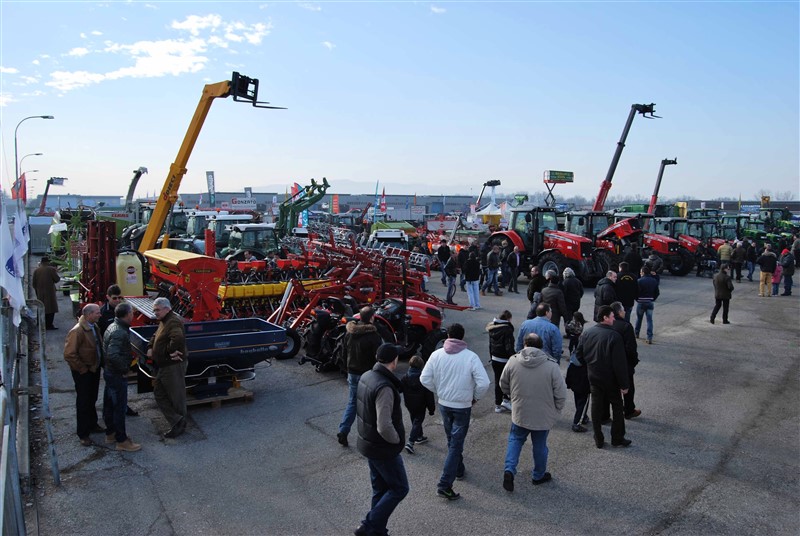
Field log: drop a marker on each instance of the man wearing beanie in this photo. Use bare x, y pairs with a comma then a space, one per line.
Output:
787, 261
381, 438
457, 377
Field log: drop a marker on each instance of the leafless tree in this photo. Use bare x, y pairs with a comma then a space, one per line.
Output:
785, 195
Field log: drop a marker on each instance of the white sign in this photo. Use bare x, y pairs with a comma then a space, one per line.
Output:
248, 203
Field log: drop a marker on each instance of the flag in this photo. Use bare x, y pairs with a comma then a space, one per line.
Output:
21, 240
9, 279
383, 200
335, 203
19, 190
377, 203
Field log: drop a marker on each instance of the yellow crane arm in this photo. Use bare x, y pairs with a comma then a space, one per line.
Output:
169, 193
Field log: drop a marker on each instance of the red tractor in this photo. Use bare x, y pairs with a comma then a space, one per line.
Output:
676, 257
609, 239
534, 230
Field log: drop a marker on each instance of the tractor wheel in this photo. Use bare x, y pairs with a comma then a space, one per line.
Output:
604, 261
682, 263
416, 335
293, 343
433, 342
552, 261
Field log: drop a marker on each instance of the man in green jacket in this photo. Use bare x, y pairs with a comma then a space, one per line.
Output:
117, 349
723, 287
168, 350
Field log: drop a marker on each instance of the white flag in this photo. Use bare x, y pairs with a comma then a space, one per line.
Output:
9, 279
20, 241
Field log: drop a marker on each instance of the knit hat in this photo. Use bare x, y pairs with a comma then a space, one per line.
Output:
387, 353
784, 252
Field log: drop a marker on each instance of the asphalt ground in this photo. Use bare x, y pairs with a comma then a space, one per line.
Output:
715, 450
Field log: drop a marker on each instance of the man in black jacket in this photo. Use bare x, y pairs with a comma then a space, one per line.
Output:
627, 288
602, 351
361, 341
117, 349
443, 254
768, 262
605, 292
623, 327
463, 255
380, 439
535, 287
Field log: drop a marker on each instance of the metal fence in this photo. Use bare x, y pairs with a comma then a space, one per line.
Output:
13, 358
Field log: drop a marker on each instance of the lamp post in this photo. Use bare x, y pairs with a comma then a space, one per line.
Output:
21, 160
16, 158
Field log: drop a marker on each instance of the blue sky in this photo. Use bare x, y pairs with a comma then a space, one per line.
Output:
423, 97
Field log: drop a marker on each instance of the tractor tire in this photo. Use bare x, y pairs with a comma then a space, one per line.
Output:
682, 263
293, 343
552, 261
433, 342
416, 336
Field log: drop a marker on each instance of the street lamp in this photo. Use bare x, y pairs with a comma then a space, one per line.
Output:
26, 156
16, 158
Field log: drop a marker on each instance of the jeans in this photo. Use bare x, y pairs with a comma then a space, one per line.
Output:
451, 288
516, 438
456, 426
491, 280
349, 415
602, 396
644, 309
724, 304
751, 267
462, 280
628, 311
416, 426
115, 403
86, 388
473, 293
389, 487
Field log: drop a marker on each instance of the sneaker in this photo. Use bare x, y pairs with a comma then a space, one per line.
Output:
500, 409
111, 438
578, 428
129, 446
508, 481
478, 308
506, 404
421, 440
448, 494
547, 477
341, 437
633, 414
409, 448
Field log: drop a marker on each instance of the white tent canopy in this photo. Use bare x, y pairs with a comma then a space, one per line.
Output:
490, 210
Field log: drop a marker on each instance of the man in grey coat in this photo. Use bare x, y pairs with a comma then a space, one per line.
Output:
537, 390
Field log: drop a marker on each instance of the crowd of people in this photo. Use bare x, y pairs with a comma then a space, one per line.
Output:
528, 381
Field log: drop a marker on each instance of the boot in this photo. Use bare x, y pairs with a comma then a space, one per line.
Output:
129, 446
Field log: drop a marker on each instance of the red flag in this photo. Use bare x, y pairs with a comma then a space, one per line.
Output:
20, 190
295, 189
383, 200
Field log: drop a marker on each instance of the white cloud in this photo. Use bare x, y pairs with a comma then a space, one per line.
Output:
82, 35
66, 81
150, 6
6, 99
438, 10
44, 56
35, 62
8, 70
29, 79
328, 45
194, 23
96, 32
310, 7
263, 6
186, 54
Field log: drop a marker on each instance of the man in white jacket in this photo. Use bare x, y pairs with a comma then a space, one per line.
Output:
538, 393
457, 377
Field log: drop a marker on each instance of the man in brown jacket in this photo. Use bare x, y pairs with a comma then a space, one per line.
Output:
44, 282
723, 287
84, 353
168, 350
